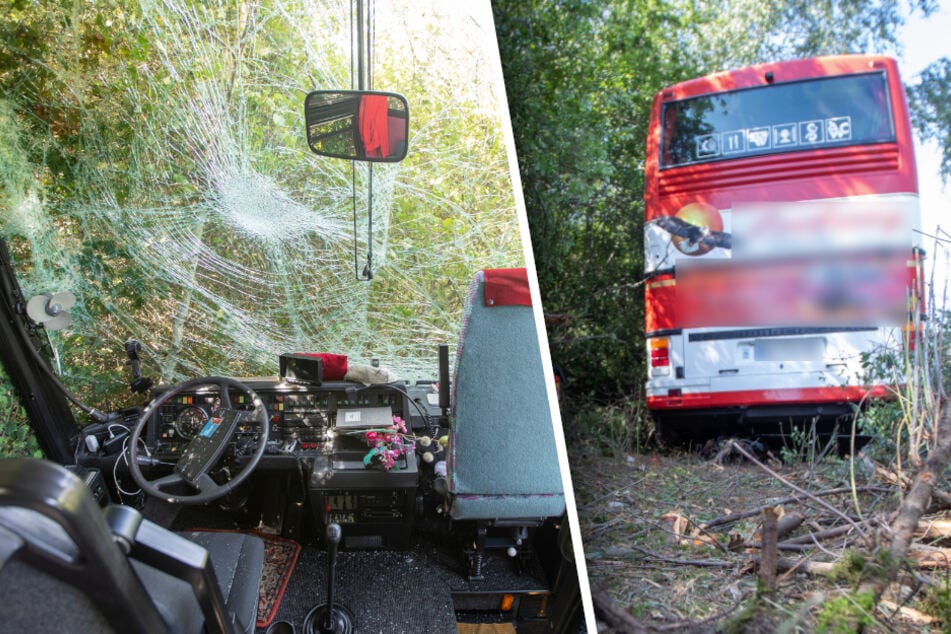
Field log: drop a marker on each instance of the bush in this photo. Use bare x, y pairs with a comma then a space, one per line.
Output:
613, 429
903, 426
16, 435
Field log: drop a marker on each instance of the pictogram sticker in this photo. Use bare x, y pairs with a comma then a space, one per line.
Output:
838, 128
734, 142
812, 132
759, 138
708, 145
784, 135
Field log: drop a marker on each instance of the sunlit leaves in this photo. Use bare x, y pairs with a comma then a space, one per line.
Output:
930, 103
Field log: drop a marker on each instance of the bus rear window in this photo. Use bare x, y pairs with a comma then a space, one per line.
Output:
802, 115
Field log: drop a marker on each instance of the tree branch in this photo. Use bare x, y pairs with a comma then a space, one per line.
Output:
796, 488
914, 505
740, 515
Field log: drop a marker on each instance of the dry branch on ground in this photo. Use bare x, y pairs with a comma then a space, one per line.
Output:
704, 559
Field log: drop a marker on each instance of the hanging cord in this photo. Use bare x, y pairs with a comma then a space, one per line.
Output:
362, 36
368, 268
353, 38
353, 186
353, 165
371, 42
367, 273
370, 34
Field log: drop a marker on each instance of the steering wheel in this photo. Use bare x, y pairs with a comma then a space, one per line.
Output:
205, 449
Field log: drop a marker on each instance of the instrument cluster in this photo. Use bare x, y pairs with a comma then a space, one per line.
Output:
301, 417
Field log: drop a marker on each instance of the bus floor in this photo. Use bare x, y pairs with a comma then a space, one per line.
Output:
409, 590
395, 591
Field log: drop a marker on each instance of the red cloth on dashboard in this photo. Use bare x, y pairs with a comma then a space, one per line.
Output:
507, 287
374, 125
335, 365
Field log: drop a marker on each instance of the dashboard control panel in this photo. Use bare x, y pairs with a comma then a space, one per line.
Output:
319, 432
301, 417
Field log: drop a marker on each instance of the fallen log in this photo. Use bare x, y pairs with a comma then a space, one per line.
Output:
785, 524
916, 501
903, 482
742, 515
829, 533
942, 496
914, 505
907, 613
619, 620
613, 616
700, 563
784, 564
887, 476
933, 529
932, 557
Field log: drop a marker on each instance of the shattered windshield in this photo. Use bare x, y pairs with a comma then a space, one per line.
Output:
155, 164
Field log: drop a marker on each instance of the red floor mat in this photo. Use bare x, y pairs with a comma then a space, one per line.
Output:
280, 556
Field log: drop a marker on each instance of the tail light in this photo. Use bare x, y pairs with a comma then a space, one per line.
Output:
916, 298
659, 356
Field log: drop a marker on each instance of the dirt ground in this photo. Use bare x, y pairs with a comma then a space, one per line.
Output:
649, 556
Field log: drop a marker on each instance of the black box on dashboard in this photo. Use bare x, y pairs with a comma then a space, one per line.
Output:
302, 368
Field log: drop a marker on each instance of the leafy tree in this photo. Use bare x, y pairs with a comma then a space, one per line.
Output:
740, 32
930, 103
580, 77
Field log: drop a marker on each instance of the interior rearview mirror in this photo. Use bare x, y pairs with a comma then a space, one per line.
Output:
357, 124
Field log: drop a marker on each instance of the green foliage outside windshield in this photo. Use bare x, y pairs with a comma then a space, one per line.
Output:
154, 162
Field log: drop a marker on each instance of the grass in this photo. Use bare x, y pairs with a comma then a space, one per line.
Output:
846, 614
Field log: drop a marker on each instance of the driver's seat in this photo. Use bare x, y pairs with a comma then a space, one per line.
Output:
67, 566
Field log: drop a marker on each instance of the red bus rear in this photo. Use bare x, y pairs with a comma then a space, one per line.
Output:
781, 201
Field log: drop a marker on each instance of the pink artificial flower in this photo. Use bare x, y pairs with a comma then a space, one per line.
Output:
399, 424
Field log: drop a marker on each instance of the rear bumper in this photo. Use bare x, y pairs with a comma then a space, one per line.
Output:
804, 399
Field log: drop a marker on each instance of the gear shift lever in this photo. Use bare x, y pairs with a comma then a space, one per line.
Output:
330, 618
329, 626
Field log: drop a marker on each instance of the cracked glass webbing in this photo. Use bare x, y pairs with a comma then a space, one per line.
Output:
158, 168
